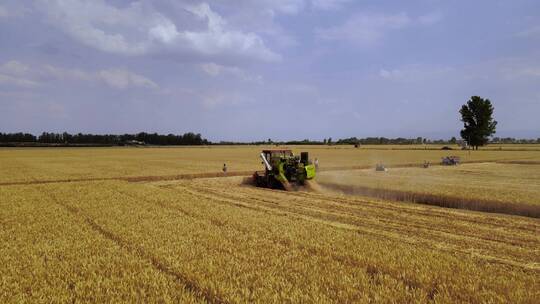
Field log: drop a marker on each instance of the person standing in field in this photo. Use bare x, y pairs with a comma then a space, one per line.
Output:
224, 169
316, 163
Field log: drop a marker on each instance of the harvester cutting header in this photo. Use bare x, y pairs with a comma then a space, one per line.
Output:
284, 170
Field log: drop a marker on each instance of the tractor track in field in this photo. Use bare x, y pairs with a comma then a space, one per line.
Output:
360, 204
175, 208
133, 179
190, 284
58, 181
459, 223
345, 260
387, 221
365, 229
184, 176
352, 217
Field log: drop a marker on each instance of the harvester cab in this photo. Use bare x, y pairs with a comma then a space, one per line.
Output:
284, 170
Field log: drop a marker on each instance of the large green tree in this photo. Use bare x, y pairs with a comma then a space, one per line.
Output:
478, 123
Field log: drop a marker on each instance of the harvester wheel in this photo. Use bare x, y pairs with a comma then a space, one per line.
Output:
258, 180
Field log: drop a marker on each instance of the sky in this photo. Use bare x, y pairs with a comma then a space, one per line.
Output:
256, 69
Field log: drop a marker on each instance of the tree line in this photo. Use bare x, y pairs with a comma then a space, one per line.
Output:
511, 140
189, 138
379, 141
196, 139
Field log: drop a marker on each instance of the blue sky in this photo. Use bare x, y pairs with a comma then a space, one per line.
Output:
281, 69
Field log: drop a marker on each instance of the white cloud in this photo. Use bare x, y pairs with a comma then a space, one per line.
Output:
392, 74
14, 67
213, 100
16, 81
139, 29
260, 17
122, 79
23, 75
530, 32
291, 7
215, 70
217, 40
413, 73
164, 32
365, 29
14, 73
370, 29
47, 72
328, 4
495, 72
99, 25
212, 69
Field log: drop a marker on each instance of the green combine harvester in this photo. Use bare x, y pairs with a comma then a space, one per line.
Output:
284, 170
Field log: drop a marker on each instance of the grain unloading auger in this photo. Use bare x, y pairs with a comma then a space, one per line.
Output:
284, 170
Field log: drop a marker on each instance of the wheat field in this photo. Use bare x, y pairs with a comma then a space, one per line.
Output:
218, 240
31, 164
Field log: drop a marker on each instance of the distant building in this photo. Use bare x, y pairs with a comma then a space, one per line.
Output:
134, 143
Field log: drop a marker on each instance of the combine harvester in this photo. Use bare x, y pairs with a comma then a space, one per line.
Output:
284, 170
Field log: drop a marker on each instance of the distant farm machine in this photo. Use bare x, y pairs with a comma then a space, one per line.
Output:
450, 161
284, 170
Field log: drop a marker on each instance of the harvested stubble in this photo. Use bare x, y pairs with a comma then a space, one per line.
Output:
491, 187
217, 241
446, 201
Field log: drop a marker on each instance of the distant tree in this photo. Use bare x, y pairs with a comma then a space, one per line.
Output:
538, 140
419, 140
478, 123
66, 137
324, 141
17, 137
329, 142
453, 140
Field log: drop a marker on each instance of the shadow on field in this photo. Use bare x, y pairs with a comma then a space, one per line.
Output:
309, 186
436, 200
